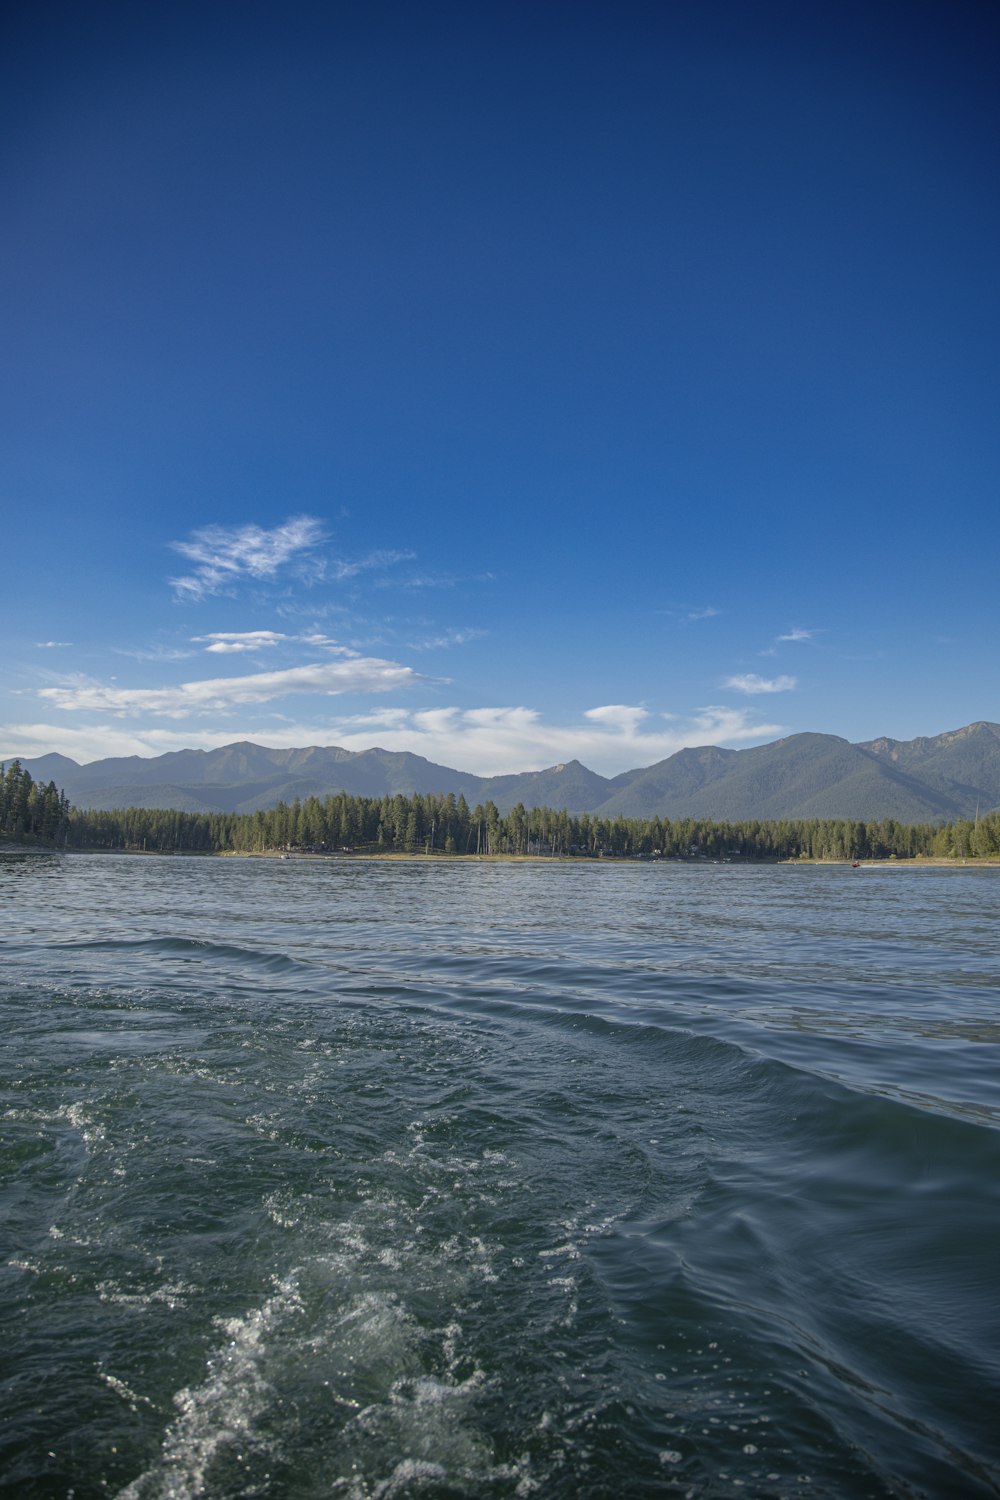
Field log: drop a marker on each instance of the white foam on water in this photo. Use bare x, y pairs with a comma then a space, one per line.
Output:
340, 1337
373, 1338
90, 1132
430, 1423
281, 1212
128, 1395
407, 1474
172, 1294
223, 1410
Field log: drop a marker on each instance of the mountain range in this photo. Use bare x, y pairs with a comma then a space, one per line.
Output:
802, 776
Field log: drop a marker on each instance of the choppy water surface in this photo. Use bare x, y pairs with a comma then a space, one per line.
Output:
334, 1179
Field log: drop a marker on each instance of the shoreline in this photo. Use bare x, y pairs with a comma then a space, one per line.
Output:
916, 862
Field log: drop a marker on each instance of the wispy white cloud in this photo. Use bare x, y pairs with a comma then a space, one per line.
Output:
376, 718
487, 741
751, 682
378, 561
356, 675
223, 555
796, 634
224, 642
444, 639
420, 581
429, 580
690, 613
52, 645
154, 653
220, 641
619, 716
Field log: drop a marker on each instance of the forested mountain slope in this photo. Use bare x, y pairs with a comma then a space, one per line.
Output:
964, 764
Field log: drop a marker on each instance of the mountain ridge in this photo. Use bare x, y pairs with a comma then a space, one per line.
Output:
808, 775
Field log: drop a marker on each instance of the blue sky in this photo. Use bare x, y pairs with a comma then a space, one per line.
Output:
504, 383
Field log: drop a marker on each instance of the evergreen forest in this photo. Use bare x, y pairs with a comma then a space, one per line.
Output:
430, 824
29, 810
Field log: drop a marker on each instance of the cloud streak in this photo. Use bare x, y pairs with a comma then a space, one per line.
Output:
156, 653
221, 641
356, 675
689, 614
446, 639
224, 555
752, 682
343, 568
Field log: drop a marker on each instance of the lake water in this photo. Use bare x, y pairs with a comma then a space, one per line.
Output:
377, 1179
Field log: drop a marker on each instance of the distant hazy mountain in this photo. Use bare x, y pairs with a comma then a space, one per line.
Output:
804, 776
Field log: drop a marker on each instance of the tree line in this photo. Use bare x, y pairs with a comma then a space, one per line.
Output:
433, 824
29, 810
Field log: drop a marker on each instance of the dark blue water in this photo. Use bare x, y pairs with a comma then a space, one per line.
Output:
378, 1179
